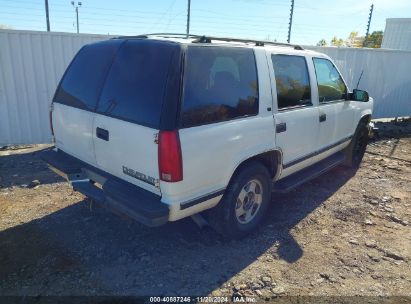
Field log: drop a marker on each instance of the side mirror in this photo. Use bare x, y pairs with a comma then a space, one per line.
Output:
360, 95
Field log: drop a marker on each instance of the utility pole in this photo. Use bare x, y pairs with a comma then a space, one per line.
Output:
47, 15
188, 18
291, 21
76, 6
368, 26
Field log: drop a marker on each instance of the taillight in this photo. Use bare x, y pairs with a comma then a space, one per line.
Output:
170, 162
51, 119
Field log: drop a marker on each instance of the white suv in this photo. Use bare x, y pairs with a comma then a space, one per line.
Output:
161, 127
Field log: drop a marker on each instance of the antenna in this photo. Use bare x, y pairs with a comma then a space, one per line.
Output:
358, 83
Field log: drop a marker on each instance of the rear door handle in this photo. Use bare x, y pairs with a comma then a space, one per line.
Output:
281, 127
102, 134
323, 117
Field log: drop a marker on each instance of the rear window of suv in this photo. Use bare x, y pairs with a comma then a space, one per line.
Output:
220, 84
81, 84
136, 84
128, 80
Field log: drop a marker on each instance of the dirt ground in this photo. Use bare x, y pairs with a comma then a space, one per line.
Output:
344, 233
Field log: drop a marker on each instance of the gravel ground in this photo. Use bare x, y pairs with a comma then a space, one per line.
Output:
344, 233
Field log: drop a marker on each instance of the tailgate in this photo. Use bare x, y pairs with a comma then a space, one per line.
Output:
129, 152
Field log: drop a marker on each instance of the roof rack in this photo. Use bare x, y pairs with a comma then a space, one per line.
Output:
208, 39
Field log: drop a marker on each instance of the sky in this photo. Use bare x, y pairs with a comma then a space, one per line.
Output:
255, 19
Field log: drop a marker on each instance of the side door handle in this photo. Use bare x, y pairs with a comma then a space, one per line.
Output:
102, 134
323, 117
281, 127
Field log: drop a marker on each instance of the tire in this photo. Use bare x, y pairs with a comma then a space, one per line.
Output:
244, 203
355, 151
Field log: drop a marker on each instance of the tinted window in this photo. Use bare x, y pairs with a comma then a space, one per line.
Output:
219, 84
135, 86
83, 79
330, 83
292, 81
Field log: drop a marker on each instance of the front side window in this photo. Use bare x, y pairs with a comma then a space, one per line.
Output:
220, 84
330, 83
292, 81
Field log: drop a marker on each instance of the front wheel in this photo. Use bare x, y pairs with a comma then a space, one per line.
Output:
356, 150
244, 203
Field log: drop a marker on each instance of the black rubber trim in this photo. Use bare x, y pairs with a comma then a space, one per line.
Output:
308, 173
116, 194
199, 200
294, 162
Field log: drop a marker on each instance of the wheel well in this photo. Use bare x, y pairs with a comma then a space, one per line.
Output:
365, 118
270, 159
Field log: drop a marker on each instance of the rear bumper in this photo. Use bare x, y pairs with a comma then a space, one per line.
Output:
115, 194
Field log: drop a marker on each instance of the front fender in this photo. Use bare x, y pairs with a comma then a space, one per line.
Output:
367, 108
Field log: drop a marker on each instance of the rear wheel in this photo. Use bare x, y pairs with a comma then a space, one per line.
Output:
356, 150
244, 203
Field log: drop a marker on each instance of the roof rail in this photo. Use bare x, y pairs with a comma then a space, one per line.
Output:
208, 39
165, 35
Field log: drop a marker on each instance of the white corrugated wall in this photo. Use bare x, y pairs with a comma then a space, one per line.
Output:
397, 34
386, 76
32, 63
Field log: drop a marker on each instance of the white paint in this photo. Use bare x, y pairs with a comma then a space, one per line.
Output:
73, 130
130, 145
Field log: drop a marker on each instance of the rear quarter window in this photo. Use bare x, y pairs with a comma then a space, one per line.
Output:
220, 84
82, 82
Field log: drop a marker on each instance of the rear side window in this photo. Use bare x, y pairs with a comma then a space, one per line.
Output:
331, 86
219, 84
84, 77
135, 86
292, 81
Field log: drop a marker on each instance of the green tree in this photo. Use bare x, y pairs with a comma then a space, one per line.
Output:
322, 42
354, 40
337, 41
374, 40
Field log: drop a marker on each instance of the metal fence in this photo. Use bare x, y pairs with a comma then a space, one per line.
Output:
386, 76
32, 63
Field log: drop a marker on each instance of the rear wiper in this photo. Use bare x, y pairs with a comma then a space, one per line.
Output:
111, 106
